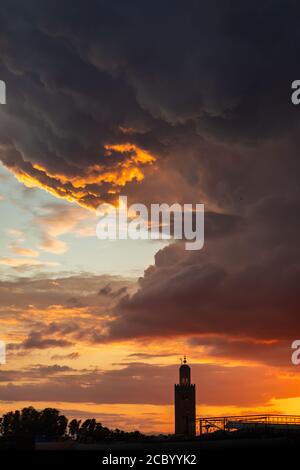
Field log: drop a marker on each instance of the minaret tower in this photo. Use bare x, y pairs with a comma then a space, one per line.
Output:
185, 402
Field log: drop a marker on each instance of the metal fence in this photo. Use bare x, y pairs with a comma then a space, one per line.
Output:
248, 422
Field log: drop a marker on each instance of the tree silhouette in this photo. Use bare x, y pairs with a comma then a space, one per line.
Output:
50, 424
33, 423
74, 427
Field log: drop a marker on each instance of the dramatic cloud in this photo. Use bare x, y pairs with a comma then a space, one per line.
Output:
181, 102
105, 92
243, 284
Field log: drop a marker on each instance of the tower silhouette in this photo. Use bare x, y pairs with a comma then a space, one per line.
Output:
185, 402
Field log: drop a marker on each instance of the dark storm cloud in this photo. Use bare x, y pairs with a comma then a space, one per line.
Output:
227, 66
149, 74
204, 87
244, 285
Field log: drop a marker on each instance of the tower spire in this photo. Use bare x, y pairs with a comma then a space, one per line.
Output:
185, 401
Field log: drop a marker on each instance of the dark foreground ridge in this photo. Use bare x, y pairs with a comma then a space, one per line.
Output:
229, 453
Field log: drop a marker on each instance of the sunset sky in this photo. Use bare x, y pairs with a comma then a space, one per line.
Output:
184, 102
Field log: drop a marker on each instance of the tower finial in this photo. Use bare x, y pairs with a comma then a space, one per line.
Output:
184, 359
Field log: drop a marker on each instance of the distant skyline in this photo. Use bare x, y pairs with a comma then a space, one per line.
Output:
174, 102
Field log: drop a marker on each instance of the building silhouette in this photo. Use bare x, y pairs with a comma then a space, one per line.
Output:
185, 402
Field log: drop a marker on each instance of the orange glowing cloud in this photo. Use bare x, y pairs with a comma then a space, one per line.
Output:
121, 174
124, 163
